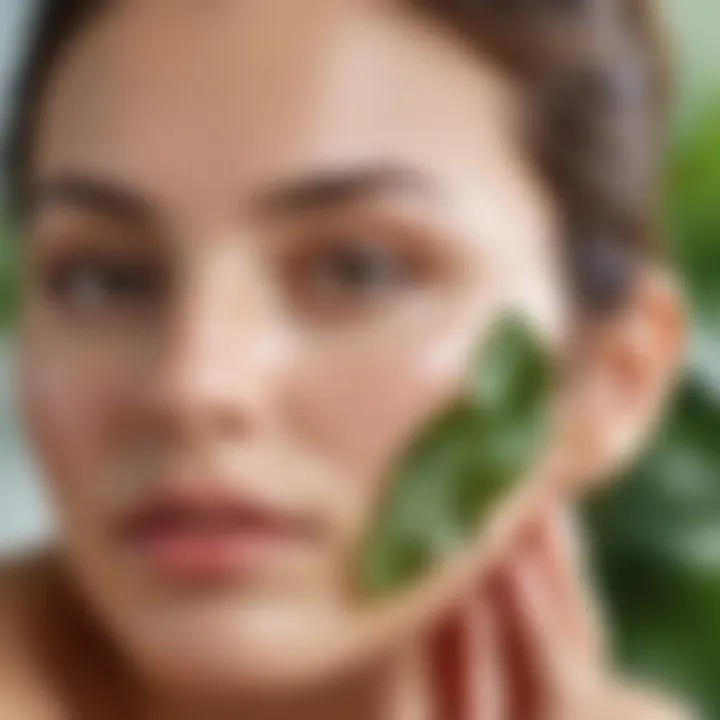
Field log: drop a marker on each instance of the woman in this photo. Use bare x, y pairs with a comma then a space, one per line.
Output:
262, 238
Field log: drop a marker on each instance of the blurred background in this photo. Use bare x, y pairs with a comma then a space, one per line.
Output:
656, 535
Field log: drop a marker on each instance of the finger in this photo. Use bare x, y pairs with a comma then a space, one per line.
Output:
542, 646
520, 676
543, 613
468, 665
560, 550
487, 669
381, 624
446, 667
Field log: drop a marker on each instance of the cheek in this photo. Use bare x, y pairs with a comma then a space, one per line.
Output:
360, 409
72, 411
364, 409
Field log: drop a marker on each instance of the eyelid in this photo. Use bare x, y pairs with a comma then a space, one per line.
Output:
383, 230
60, 283
62, 218
407, 261
69, 228
78, 253
55, 238
53, 267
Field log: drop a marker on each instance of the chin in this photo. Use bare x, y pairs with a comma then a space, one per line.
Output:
224, 649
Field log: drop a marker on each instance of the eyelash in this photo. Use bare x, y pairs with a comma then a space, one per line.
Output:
325, 275
352, 269
114, 282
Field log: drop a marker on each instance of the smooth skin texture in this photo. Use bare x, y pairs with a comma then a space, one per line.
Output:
265, 238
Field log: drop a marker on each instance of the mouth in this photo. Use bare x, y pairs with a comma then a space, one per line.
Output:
213, 535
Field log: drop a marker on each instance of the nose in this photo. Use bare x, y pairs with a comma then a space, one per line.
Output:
216, 367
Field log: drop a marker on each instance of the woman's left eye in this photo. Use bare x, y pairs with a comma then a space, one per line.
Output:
354, 268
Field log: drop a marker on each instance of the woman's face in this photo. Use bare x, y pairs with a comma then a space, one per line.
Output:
265, 237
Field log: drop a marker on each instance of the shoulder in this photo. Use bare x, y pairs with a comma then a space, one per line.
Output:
26, 686
20, 582
55, 663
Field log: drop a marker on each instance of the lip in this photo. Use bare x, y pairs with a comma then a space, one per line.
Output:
203, 533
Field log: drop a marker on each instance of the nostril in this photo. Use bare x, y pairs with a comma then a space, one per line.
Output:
182, 408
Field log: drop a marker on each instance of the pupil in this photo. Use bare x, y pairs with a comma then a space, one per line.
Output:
95, 283
362, 267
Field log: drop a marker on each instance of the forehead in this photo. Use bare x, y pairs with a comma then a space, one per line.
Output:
233, 92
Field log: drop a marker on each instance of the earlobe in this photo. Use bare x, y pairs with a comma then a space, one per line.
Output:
662, 325
627, 374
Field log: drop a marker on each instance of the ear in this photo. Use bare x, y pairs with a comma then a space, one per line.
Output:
624, 375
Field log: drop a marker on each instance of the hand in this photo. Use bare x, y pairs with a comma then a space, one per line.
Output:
529, 645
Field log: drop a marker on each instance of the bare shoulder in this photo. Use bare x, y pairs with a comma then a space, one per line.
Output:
26, 685
20, 590
55, 662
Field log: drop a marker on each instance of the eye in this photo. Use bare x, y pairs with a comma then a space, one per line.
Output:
93, 283
353, 268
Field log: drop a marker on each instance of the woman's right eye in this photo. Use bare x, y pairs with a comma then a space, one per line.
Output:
101, 284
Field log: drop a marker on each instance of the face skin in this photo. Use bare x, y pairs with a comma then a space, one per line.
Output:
267, 235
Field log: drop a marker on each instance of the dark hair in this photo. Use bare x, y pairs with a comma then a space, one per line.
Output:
596, 85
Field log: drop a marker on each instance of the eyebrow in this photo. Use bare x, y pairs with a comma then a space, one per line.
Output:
323, 190
316, 191
94, 194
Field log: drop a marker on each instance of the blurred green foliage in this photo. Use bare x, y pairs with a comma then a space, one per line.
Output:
9, 273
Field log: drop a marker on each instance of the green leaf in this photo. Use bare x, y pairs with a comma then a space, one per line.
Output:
463, 461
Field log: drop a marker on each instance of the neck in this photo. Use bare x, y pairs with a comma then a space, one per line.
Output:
394, 689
